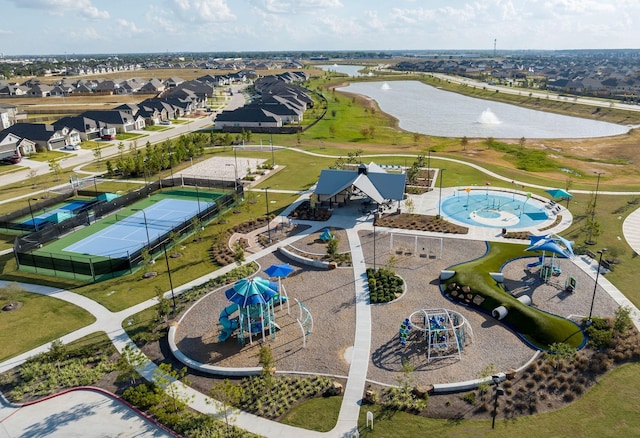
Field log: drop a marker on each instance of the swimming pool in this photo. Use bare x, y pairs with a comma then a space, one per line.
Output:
490, 208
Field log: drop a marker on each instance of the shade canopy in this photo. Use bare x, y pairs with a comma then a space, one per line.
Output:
251, 291
279, 270
552, 243
559, 193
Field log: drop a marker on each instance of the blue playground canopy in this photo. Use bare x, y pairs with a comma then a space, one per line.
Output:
552, 243
559, 193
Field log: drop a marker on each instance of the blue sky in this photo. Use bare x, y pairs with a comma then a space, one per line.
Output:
127, 26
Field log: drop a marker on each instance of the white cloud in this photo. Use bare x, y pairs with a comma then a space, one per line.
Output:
129, 26
202, 11
6, 32
296, 6
94, 13
83, 8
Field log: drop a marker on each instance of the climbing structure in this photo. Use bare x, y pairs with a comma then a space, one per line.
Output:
445, 332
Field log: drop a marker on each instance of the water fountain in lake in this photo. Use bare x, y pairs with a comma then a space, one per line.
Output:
488, 118
385, 86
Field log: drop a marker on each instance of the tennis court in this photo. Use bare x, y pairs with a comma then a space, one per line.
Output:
133, 232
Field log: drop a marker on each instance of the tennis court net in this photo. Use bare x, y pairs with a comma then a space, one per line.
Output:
152, 223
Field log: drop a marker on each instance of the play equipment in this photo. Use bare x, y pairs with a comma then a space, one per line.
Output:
405, 328
410, 244
549, 265
326, 235
305, 321
254, 300
570, 284
446, 332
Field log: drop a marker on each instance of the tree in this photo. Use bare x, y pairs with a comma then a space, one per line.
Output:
131, 360
166, 378
229, 395
33, 176
238, 253
622, 321
464, 142
266, 360
332, 131
121, 149
196, 224
522, 141
164, 305
409, 205
97, 153
55, 167
57, 352
332, 247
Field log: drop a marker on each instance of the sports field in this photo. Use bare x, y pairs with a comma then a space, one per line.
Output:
133, 227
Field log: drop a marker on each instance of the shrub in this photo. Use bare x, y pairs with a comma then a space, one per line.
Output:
470, 397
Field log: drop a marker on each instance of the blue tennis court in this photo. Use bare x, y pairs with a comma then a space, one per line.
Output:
57, 214
135, 231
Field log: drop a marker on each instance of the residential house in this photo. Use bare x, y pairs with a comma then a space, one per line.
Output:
12, 144
47, 137
39, 90
4, 119
87, 128
14, 90
173, 82
119, 120
154, 86
250, 116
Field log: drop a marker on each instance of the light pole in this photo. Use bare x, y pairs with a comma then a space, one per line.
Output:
235, 161
235, 172
593, 211
273, 160
499, 391
166, 258
33, 220
375, 216
429, 168
146, 228
440, 193
266, 196
595, 286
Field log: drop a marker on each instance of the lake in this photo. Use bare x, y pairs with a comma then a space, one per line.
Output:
351, 70
428, 110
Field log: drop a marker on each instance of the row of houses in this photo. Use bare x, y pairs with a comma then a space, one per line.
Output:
181, 100
279, 101
82, 87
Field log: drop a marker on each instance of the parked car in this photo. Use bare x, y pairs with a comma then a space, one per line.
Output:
72, 147
12, 159
165, 122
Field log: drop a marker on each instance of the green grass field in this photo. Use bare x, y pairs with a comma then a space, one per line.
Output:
40, 320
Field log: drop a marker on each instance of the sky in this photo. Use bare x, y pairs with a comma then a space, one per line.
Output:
41, 27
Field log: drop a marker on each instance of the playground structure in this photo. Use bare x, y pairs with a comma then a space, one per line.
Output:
410, 244
556, 245
445, 332
549, 266
254, 300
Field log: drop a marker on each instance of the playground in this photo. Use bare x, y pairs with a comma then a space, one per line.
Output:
329, 296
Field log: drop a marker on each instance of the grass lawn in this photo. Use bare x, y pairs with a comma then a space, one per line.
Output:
48, 155
319, 414
609, 409
129, 136
40, 320
155, 128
